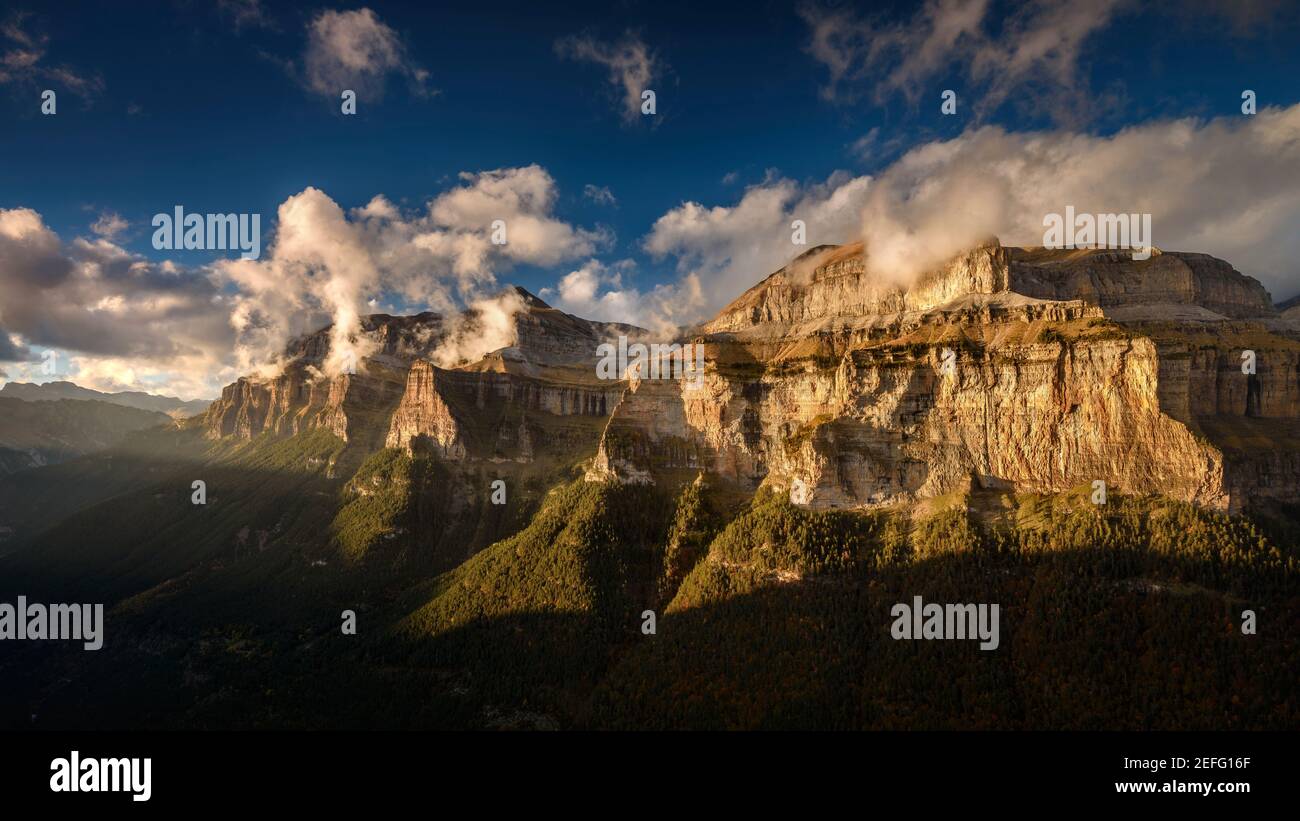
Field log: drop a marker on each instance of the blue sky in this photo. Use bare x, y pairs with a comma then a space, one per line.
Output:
218, 107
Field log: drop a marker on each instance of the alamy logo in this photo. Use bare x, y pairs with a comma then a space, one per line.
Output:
79, 622
945, 621
655, 361
208, 232
1099, 231
75, 774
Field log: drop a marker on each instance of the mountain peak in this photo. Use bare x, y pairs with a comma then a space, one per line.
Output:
63, 389
530, 299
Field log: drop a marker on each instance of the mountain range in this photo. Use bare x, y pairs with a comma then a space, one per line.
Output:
1108, 447
33, 434
46, 391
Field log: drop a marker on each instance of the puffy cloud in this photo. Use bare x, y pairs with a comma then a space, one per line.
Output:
356, 50
96, 298
325, 265
602, 292
631, 65
487, 326
320, 262
1228, 187
109, 225
726, 249
523, 199
132, 323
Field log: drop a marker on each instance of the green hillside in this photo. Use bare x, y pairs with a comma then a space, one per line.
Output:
530, 614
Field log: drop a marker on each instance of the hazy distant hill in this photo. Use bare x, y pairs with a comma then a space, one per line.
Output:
170, 405
43, 433
1290, 308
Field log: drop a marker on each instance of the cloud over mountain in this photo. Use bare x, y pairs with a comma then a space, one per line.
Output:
325, 265
1228, 187
127, 320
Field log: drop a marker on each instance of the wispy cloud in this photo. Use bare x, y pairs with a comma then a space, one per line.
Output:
23, 61
1036, 46
245, 13
599, 194
631, 65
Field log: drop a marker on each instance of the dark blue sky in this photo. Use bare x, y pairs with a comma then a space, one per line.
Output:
223, 126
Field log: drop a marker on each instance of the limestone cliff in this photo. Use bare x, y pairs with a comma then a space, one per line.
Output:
1019, 368
538, 396
465, 414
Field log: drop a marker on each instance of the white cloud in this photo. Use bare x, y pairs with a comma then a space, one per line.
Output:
95, 298
631, 65
1228, 187
129, 322
718, 252
726, 249
487, 326
358, 51
324, 266
109, 225
603, 293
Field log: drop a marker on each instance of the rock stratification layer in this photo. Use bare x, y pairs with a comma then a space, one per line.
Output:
539, 395
1028, 369
1022, 368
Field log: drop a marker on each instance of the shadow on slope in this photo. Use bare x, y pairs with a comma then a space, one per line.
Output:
1126, 616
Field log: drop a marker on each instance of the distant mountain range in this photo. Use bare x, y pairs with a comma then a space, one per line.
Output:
33, 434
170, 405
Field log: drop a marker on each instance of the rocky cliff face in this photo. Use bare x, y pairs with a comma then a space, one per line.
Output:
1018, 368
1025, 369
1112, 279
302, 398
465, 414
537, 396
299, 400
829, 283
889, 425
